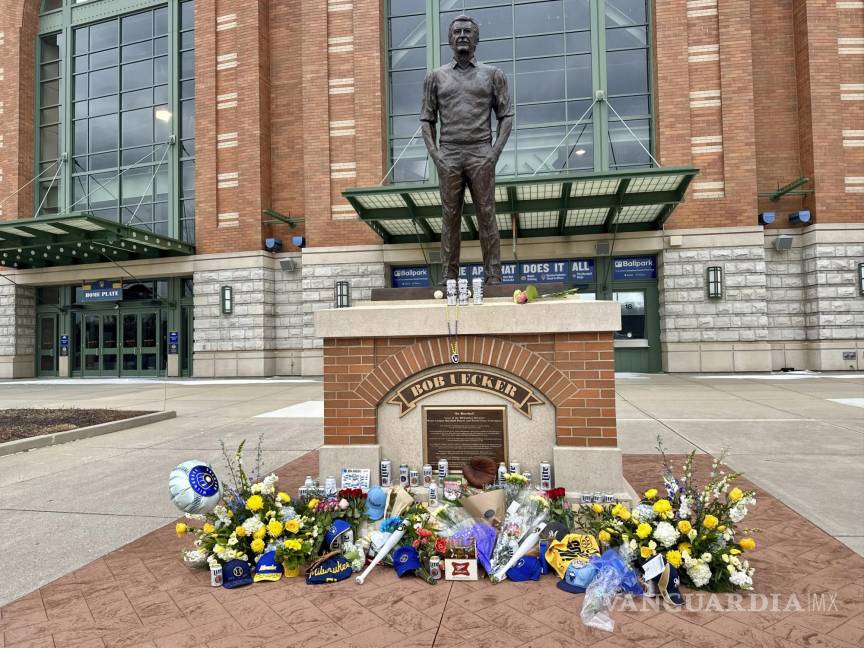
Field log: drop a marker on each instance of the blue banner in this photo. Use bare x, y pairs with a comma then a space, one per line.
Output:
100, 291
577, 271
640, 267
414, 277
544, 271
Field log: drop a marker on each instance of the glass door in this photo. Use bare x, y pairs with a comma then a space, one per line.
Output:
140, 337
100, 344
47, 354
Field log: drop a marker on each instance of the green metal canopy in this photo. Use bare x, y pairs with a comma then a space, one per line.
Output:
558, 205
80, 238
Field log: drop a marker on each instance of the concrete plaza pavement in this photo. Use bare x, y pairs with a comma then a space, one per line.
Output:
66, 505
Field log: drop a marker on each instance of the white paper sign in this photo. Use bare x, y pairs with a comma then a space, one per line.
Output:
356, 478
654, 567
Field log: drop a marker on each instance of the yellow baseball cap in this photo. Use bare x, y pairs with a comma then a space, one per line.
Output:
572, 547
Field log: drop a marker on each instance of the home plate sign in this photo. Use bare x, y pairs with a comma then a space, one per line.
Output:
407, 397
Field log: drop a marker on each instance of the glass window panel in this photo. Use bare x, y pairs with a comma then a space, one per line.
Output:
625, 12
539, 17
539, 80
79, 190
626, 37
137, 75
536, 145
103, 35
136, 128
81, 82
187, 40
404, 125
405, 91
535, 114
48, 196
627, 72
50, 115
187, 148
141, 155
80, 137
137, 183
495, 50
187, 66
103, 161
109, 331
137, 27
103, 190
406, 7
137, 51
539, 45
137, 214
413, 167
187, 177
81, 109
632, 314
103, 105
580, 148
82, 40
635, 106
103, 82
137, 99
162, 127
51, 92
103, 133
50, 47
576, 110
408, 58
160, 94
187, 89
50, 142
51, 70
495, 22
79, 163
579, 42
624, 149
187, 18
48, 295
409, 31
187, 121
577, 14
163, 183
103, 59
80, 64
161, 69
579, 83
108, 213
160, 45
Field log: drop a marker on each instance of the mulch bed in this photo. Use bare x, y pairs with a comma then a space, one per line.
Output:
26, 423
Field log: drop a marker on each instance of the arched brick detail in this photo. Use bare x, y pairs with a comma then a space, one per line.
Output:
493, 352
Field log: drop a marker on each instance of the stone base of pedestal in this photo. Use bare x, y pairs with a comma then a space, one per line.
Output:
591, 470
333, 458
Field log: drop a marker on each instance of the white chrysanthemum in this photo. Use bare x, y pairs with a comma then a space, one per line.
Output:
221, 514
256, 489
699, 572
666, 534
692, 535
706, 557
268, 486
212, 561
252, 525
232, 540
741, 579
728, 534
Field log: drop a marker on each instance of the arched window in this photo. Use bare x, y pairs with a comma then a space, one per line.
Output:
116, 112
557, 55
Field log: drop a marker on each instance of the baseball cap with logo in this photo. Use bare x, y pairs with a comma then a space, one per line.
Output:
329, 568
266, 568
572, 547
376, 501
577, 577
527, 568
236, 573
405, 559
338, 532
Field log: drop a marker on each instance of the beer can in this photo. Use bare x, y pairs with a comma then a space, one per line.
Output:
443, 469
515, 467
216, 576
477, 290
435, 567
308, 482
414, 477
463, 292
330, 486
527, 475
433, 493
403, 474
384, 473
545, 475
451, 292
427, 474
502, 473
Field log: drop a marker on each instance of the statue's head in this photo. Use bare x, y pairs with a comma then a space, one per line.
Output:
463, 35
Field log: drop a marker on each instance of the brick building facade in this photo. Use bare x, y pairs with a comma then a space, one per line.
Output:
292, 104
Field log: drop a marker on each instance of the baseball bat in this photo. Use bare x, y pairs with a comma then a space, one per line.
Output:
392, 541
524, 547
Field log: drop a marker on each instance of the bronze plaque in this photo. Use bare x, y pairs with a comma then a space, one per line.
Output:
459, 433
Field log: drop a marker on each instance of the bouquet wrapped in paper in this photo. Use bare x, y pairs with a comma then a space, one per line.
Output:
457, 527
520, 532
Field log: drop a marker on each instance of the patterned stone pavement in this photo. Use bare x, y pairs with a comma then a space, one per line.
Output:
142, 595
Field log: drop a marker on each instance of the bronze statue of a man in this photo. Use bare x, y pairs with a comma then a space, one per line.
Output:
459, 97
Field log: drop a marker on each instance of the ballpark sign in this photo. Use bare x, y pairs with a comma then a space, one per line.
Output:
409, 394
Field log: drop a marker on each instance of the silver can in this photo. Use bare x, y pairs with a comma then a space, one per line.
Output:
435, 567
463, 292
216, 576
384, 472
433, 494
443, 469
403, 474
427, 474
452, 298
308, 482
527, 475
330, 486
477, 290
414, 477
515, 467
545, 475
502, 473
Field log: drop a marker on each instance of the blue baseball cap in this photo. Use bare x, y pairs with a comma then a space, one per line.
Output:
528, 568
266, 568
405, 559
236, 573
577, 577
329, 570
338, 532
376, 500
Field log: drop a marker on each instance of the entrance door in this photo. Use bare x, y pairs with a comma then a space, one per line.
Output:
100, 344
637, 344
140, 337
47, 353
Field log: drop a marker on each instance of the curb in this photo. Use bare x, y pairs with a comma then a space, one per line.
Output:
22, 445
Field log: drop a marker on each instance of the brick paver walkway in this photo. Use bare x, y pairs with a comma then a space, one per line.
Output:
142, 595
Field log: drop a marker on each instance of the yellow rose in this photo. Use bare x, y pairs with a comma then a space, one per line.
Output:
596, 508
710, 521
734, 551
293, 525
208, 528
180, 529
644, 530
260, 533
274, 528
240, 532
283, 497
646, 552
735, 494
313, 503
684, 526
293, 545
663, 508
747, 544
257, 545
721, 528
624, 514
604, 536
255, 503
651, 493
685, 546
616, 509
673, 558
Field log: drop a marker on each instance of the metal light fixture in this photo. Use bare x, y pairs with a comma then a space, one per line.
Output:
861, 278
715, 282
227, 300
782, 242
343, 294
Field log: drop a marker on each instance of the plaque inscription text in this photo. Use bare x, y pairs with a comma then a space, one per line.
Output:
459, 433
